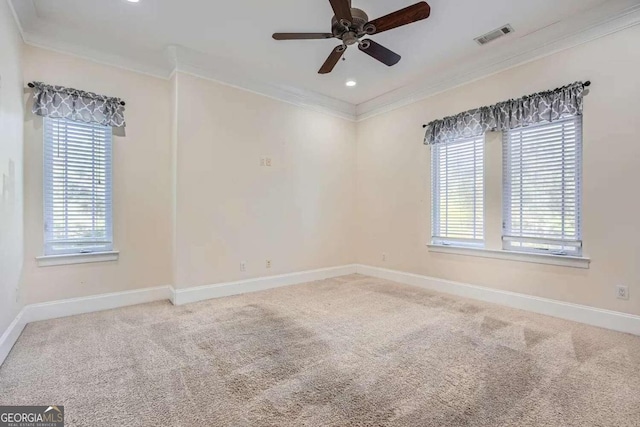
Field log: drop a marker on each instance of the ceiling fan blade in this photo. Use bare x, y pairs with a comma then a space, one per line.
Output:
302, 36
408, 15
379, 52
342, 9
332, 60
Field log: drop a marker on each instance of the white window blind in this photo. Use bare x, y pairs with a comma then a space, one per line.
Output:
457, 179
542, 188
77, 187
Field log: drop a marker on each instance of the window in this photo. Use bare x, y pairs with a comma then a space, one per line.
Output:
77, 187
457, 179
542, 176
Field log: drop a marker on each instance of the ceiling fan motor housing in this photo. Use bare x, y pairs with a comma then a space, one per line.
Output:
349, 33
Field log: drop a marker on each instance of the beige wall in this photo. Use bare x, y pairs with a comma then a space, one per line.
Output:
393, 206
298, 213
11, 152
141, 183
190, 198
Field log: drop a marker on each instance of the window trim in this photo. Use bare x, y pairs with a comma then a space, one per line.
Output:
503, 254
460, 243
494, 248
506, 239
76, 258
100, 251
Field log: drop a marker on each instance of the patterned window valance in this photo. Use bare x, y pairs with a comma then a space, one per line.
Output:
543, 107
74, 104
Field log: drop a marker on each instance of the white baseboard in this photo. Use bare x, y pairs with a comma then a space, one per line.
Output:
201, 293
73, 306
50, 310
11, 335
82, 305
608, 319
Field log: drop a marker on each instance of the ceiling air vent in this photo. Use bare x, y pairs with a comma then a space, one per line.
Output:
495, 34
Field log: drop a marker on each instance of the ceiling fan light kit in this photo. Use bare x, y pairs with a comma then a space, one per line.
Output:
350, 25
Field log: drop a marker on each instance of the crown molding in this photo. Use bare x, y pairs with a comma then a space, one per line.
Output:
97, 56
601, 21
177, 61
25, 16
580, 32
198, 64
15, 18
301, 98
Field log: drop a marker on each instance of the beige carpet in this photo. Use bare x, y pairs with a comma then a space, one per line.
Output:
351, 351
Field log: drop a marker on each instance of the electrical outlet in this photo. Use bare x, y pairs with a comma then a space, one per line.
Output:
265, 161
268, 263
243, 266
622, 292
384, 256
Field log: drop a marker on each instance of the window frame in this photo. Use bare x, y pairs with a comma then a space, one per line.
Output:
435, 215
105, 246
507, 240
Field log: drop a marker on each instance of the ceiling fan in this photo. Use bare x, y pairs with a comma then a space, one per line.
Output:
351, 24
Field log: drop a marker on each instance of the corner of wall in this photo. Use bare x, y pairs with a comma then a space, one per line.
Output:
11, 168
174, 172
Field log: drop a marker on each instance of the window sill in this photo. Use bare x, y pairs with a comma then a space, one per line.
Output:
52, 260
562, 260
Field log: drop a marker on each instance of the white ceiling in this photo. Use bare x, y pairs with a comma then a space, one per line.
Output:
231, 41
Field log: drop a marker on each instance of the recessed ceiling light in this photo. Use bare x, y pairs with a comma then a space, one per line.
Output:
351, 83
133, 1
